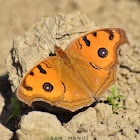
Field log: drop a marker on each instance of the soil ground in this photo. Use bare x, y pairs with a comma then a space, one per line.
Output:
17, 16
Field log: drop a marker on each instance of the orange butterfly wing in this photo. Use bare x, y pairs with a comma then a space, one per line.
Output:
34, 84
95, 53
89, 46
78, 76
52, 81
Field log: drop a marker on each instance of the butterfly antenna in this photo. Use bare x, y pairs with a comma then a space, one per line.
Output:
45, 43
43, 35
50, 33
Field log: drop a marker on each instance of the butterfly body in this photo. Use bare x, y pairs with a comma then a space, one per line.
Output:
77, 76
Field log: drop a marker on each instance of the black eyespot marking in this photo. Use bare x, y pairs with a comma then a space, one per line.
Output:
95, 66
47, 87
48, 65
79, 45
41, 69
102, 52
95, 33
31, 73
28, 88
111, 36
64, 87
86, 41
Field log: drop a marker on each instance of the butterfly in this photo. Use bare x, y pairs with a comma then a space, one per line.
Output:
77, 76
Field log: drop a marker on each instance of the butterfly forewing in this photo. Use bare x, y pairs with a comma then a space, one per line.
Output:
42, 82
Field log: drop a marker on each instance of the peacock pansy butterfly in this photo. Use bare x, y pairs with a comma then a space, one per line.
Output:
77, 76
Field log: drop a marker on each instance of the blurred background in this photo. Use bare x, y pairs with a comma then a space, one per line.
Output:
16, 16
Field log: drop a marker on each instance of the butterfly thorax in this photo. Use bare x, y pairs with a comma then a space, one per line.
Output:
62, 55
